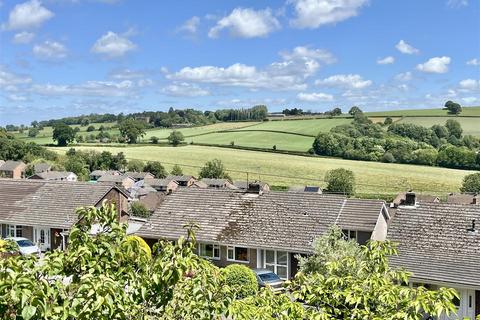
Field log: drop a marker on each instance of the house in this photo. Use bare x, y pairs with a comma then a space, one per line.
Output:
42, 167
314, 189
262, 229
13, 169
152, 200
119, 180
55, 175
199, 184
96, 174
218, 183
163, 185
183, 181
43, 210
463, 198
137, 176
243, 185
440, 244
401, 198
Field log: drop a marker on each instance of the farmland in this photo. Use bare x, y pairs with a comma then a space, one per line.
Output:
373, 178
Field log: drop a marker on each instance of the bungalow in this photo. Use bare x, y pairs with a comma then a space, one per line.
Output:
218, 183
96, 174
162, 185
55, 176
119, 180
13, 170
137, 176
440, 244
463, 198
42, 167
42, 210
262, 230
183, 181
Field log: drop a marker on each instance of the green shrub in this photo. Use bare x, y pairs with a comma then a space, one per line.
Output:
241, 279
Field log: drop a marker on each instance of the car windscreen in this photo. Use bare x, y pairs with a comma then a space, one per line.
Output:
269, 277
25, 243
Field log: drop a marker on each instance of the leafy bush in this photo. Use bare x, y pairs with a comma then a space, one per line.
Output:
7, 245
241, 279
340, 181
139, 210
155, 168
471, 183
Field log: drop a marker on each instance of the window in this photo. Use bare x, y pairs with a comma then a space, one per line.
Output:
237, 254
277, 261
14, 230
349, 234
210, 251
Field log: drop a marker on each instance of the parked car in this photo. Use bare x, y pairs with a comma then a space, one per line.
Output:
26, 246
267, 277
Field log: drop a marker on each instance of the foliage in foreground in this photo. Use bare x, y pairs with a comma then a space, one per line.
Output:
241, 279
111, 276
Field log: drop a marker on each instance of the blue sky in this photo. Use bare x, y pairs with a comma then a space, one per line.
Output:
70, 57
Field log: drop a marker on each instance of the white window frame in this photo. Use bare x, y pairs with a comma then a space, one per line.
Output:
233, 249
275, 264
14, 228
216, 248
350, 234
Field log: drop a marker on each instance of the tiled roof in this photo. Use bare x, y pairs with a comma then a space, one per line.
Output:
244, 184
11, 165
46, 203
112, 178
103, 172
159, 182
273, 220
434, 242
42, 167
138, 175
400, 198
54, 175
462, 198
180, 178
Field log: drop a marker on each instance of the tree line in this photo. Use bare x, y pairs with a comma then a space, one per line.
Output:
440, 145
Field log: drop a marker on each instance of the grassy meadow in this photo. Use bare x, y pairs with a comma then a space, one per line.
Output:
438, 112
373, 178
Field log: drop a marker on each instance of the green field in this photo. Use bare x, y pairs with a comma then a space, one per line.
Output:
310, 127
469, 125
467, 111
373, 178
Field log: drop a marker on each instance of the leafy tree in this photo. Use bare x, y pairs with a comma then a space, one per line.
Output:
330, 144
33, 132
131, 129
388, 121
471, 183
138, 209
242, 279
119, 161
155, 168
425, 156
90, 128
340, 181
453, 107
440, 131
354, 110
454, 128
176, 170
135, 165
330, 247
175, 138
214, 169
154, 140
336, 112
77, 165
34, 124
457, 157
63, 134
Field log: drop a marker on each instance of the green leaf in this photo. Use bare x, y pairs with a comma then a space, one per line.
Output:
28, 312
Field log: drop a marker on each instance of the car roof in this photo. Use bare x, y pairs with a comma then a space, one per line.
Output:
262, 271
16, 238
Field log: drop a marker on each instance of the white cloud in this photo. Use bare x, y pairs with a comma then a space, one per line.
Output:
386, 60
23, 37
315, 13
314, 97
470, 84
50, 50
457, 3
435, 65
473, 62
9, 80
16, 98
27, 15
113, 45
288, 74
350, 81
470, 100
246, 23
126, 74
183, 89
89, 88
404, 76
405, 48
190, 26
